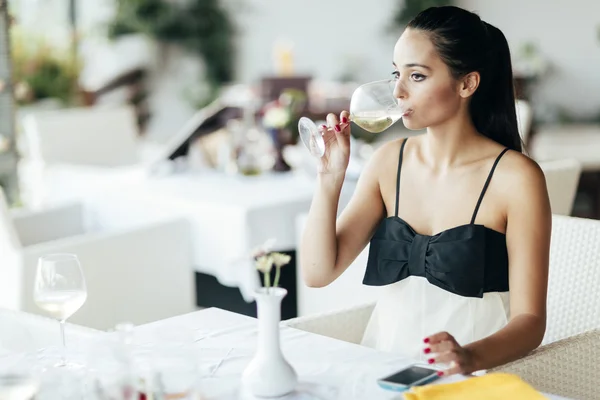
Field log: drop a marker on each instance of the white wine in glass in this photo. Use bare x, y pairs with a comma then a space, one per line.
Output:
60, 289
373, 107
61, 305
376, 121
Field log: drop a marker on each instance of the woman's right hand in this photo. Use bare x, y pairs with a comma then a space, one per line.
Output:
336, 135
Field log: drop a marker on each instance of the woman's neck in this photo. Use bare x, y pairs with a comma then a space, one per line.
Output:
450, 144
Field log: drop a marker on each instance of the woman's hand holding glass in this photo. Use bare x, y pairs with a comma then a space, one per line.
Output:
336, 138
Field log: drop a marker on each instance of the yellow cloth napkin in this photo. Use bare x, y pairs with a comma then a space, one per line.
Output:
489, 387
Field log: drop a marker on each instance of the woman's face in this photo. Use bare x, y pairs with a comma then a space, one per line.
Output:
425, 89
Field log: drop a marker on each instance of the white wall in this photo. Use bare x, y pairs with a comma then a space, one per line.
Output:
326, 32
566, 33
325, 35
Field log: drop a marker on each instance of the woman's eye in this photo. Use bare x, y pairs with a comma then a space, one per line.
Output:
417, 77
396, 75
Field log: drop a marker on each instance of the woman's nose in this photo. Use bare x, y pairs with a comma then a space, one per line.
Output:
399, 90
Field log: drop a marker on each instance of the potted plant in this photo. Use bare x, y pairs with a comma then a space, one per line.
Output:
42, 71
202, 27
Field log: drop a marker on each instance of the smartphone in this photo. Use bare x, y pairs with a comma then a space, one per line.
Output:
404, 379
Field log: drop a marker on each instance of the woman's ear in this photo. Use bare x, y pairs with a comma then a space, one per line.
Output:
469, 84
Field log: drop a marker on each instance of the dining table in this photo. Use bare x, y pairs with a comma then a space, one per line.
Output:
209, 350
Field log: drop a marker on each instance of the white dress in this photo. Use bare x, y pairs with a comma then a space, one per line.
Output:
412, 309
455, 281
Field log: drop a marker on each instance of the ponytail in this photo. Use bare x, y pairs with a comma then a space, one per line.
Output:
467, 44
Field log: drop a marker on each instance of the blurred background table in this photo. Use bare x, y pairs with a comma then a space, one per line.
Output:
229, 216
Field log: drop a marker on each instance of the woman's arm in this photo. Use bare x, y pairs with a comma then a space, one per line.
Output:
328, 246
529, 222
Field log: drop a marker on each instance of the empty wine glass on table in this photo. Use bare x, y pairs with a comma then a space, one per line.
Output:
373, 107
60, 290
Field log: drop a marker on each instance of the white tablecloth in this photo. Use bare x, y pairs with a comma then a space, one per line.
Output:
222, 343
22, 332
327, 368
229, 215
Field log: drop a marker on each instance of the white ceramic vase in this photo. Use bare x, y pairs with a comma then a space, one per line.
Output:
269, 374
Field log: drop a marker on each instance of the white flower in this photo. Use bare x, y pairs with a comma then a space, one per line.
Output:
280, 259
264, 264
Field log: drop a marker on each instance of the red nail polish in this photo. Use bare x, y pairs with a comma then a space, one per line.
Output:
344, 120
426, 340
324, 127
427, 350
440, 373
431, 361
337, 128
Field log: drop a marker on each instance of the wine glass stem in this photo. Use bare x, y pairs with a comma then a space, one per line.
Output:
64, 344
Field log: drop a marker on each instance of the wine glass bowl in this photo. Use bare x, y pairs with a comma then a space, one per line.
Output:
373, 107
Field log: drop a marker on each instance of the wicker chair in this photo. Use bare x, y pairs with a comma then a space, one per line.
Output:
348, 324
568, 367
573, 295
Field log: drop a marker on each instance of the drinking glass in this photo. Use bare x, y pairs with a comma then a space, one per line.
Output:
60, 289
373, 107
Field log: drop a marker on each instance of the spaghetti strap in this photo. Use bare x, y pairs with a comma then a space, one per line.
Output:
487, 183
398, 177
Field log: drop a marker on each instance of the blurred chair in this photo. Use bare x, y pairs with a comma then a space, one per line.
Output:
562, 180
573, 295
580, 142
139, 274
60, 144
524, 119
347, 324
83, 136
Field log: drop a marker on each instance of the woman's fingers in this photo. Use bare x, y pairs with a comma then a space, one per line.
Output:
333, 122
439, 337
345, 118
440, 347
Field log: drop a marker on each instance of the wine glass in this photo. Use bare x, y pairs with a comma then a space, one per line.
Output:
373, 107
60, 289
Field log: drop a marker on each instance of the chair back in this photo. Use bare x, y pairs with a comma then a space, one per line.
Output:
95, 136
10, 252
524, 118
562, 180
573, 295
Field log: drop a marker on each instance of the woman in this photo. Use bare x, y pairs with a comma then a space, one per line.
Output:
449, 241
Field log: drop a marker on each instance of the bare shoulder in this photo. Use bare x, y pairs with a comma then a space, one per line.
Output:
521, 179
519, 172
